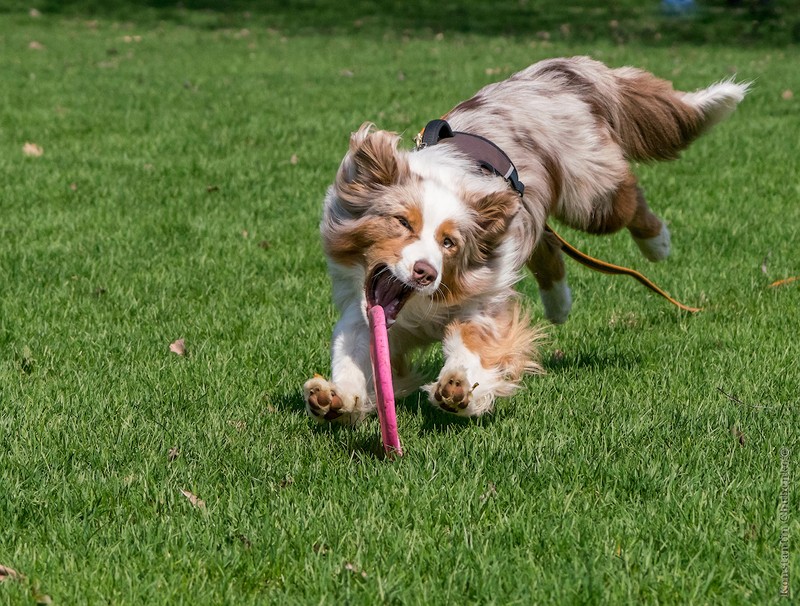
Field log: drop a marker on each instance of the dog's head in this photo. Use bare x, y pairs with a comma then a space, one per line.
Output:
417, 222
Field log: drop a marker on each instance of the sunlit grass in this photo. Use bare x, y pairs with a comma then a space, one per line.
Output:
178, 196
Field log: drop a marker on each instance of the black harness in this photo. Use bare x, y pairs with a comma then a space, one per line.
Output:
485, 153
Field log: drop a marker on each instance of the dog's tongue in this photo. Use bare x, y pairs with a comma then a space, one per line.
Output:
387, 291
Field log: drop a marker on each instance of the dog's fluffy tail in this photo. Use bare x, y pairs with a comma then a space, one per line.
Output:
718, 101
655, 122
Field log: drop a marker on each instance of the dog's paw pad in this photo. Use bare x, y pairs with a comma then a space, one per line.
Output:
322, 401
453, 391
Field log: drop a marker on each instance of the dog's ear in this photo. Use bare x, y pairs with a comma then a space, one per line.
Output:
372, 163
493, 215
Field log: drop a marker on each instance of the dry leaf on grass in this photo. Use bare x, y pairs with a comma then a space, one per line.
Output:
7, 574
354, 569
173, 453
194, 499
178, 347
32, 150
34, 45
42, 598
784, 282
237, 424
491, 491
245, 541
787, 95
320, 548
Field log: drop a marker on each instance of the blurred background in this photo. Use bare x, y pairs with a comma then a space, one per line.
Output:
773, 22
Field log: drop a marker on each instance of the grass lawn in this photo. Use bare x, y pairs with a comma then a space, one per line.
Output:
185, 156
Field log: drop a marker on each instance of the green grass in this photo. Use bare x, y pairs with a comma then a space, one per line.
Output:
166, 205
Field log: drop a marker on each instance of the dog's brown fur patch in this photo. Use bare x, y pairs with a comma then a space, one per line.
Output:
508, 345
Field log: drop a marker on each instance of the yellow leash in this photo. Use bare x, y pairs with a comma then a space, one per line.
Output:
609, 268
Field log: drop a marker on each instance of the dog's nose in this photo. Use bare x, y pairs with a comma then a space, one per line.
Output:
424, 273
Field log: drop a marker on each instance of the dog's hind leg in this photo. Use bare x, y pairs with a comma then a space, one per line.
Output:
649, 232
626, 207
547, 265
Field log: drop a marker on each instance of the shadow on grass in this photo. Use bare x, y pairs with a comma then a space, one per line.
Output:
557, 364
771, 22
365, 440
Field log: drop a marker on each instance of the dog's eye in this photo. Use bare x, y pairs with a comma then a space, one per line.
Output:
404, 222
448, 243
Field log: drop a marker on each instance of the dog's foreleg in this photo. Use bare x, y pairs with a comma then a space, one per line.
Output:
485, 358
345, 398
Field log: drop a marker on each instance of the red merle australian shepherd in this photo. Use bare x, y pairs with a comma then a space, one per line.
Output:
438, 236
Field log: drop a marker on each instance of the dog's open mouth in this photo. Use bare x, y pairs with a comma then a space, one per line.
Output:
384, 289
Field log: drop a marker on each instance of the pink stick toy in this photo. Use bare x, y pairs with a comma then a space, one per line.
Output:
382, 375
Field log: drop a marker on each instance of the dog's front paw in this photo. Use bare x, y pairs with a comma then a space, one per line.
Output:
452, 392
324, 402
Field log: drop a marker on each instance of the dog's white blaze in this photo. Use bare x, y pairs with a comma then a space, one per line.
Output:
438, 206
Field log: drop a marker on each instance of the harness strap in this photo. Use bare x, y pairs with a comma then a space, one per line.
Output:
609, 268
485, 153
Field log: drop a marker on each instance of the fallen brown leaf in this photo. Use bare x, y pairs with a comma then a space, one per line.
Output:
293, 159
173, 453
491, 491
238, 425
787, 95
34, 45
34, 14
212, 188
738, 434
7, 574
73, 186
320, 548
784, 281
32, 150
178, 347
245, 541
194, 499
27, 362
42, 598
354, 569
